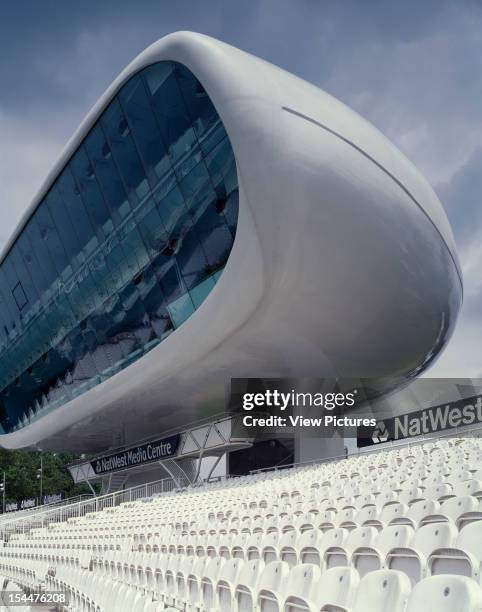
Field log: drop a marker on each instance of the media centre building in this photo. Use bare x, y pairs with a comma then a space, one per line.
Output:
214, 217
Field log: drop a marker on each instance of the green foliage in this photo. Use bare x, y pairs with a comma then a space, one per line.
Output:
21, 474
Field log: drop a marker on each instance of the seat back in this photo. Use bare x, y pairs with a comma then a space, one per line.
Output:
422, 508
299, 586
383, 591
336, 587
432, 536
446, 594
456, 506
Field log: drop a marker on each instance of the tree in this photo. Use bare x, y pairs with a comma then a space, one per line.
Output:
21, 474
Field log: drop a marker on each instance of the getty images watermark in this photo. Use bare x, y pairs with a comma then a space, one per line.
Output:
372, 411
283, 407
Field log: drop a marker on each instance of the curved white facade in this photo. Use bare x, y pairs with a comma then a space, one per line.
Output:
343, 263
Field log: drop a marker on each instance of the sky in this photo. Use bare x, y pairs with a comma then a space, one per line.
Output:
413, 68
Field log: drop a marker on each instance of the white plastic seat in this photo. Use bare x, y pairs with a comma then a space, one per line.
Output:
411, 495
390, 513
271, 587
334, 556
334, 589
299, 586
383, 591
170, 582
464, 558
269, 550
445, 594
253, 547
309, 545
194, 580
417, 512
208, 582
246, 590
438, 491
459, 510
370, 558
183, 571
472, 487
365, 514
287, 547
413, 559
386, 497
314, 546
226, 584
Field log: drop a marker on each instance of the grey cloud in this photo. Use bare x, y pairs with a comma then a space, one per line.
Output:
462, 197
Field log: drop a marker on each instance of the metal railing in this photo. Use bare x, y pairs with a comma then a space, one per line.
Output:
62, 502
42, 518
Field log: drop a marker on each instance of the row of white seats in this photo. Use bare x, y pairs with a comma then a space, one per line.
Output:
246, 587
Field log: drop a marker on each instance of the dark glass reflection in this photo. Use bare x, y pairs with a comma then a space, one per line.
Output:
127, 244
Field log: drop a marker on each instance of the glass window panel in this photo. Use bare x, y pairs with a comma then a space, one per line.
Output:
38, 242
134, 249
215, 237
23, 275
197, 188
65, 229
19, 296
31, 264
204, 117
9, 271
9, 308
145, 129
172, 285
77, 213
219, 163
172, 209
181, 309
49, 234
200, 292
102, 276
91, 195
124, 152
151, 228
192, 261
100, 154
116, 261
177, 132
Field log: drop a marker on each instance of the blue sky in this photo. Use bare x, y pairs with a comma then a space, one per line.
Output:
412, 68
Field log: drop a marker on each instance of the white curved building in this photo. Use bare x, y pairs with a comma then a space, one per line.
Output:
302, 242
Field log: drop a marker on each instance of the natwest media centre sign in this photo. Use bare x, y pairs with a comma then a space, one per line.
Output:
461, 413
138, 455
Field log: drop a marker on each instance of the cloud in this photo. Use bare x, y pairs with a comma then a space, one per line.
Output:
423, 93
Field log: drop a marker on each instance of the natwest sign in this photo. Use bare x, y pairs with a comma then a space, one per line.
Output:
138, 455
461, 413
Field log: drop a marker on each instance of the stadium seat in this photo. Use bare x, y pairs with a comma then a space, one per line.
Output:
445, 594
246, 590
383, 591
369, 558
272, 584
464, 558
413, 559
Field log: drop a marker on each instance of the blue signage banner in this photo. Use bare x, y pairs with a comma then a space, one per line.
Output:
137, 455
